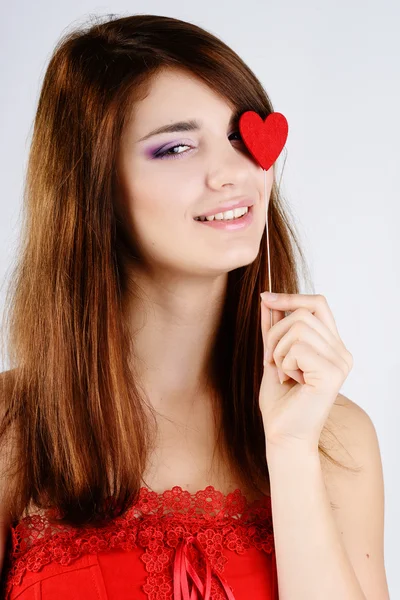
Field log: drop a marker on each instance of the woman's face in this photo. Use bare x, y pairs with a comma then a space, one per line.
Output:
202, 169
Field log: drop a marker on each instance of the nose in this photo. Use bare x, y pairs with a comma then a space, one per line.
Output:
228, 166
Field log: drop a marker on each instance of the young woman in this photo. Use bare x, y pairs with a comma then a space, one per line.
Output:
147, 450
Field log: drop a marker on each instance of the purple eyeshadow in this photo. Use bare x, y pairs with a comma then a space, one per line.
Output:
156, 150
159, 151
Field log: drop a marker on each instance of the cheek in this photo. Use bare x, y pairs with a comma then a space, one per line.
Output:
160, 204
160, 221
170, 192
159, 213
172, 198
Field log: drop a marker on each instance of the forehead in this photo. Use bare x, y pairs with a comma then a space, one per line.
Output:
176, 95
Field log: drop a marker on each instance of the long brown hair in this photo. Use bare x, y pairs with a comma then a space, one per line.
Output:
78, 418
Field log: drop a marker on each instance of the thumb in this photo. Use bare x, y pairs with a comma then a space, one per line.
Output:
270, 369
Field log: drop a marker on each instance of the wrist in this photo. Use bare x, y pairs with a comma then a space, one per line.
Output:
296, 452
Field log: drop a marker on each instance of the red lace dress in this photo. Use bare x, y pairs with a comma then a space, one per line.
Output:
169, 546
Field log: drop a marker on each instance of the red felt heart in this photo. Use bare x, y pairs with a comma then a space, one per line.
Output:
264, 139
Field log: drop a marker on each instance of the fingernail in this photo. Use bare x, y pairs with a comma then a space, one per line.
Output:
269, 296
281, 375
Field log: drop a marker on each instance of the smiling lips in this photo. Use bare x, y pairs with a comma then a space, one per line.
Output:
230, 215
225, 207
230, 224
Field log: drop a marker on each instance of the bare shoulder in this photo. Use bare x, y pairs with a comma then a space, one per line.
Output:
357, 493
348, 436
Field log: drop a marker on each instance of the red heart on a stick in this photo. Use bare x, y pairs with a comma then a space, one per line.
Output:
264, 139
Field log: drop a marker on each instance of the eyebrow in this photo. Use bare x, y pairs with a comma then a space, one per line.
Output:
190, 125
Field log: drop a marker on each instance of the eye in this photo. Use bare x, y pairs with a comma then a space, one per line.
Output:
170, 153
236, 133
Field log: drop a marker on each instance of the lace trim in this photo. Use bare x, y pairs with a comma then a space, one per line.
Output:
166, 525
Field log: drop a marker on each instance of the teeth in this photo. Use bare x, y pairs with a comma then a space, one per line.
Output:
226, 216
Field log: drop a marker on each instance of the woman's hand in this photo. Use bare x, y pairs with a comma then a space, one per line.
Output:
307, 347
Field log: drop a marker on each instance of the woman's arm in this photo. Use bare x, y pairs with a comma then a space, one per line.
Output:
317, 556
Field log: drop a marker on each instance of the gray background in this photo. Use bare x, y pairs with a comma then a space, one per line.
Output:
333, 70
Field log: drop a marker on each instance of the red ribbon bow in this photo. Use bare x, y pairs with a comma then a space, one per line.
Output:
184, 567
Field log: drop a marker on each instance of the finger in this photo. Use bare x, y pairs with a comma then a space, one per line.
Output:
319, 373
275, 334
295, 374
302, 332
277, 315
299, 322
315, 303
273, 377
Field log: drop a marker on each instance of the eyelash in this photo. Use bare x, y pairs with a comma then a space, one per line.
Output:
163, 155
